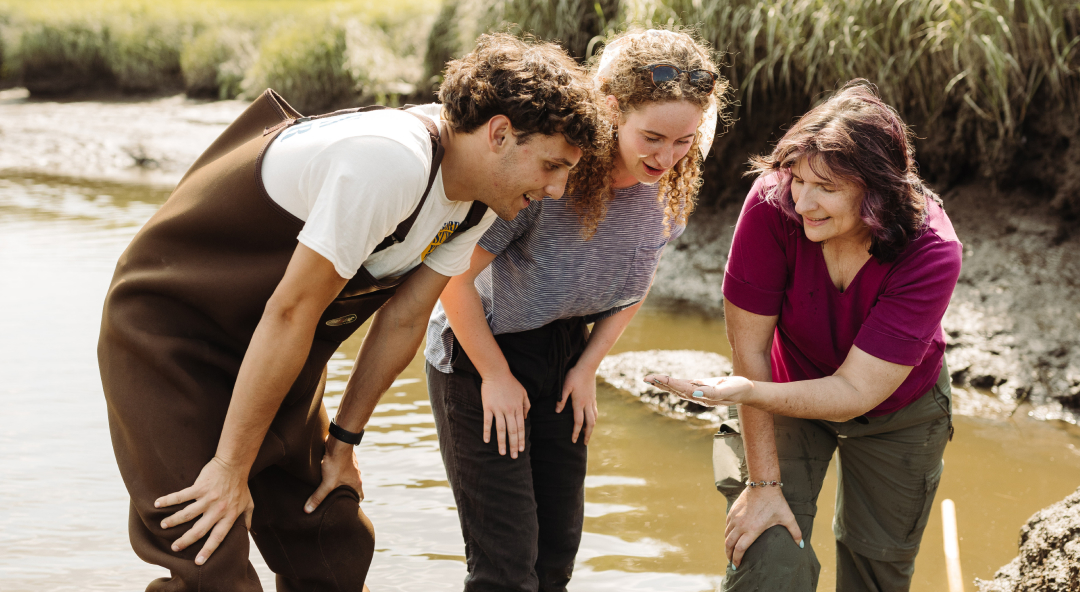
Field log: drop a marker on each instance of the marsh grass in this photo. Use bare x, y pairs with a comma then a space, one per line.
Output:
322, 53
143, 51
977, 67
573, 23
62, 57
978, 79
215, 60
304, 62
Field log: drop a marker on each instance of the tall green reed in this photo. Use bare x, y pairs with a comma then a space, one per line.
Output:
215, 60
7, 77
352, 50
973, 71
143, 51
63, 56
574, 23
304, 62
977, 65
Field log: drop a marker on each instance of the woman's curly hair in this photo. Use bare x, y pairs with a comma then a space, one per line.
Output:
536, 85
855, 136
632, 86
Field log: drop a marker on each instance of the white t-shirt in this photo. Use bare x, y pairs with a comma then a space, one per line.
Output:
353, 178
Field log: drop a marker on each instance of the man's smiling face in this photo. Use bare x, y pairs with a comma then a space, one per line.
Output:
530, 169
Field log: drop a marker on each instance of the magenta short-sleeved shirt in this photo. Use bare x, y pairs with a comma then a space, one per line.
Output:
891, 311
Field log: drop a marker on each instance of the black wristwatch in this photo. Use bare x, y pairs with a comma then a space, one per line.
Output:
345, 435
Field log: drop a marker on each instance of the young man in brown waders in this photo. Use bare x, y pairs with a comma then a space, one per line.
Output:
281, 240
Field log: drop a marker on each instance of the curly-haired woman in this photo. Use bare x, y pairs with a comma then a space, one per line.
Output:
510, 348
841, 268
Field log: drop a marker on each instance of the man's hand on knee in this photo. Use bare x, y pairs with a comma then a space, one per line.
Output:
220, 495
339, 467
756, 510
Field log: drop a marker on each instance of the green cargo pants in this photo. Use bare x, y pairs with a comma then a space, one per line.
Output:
889, 469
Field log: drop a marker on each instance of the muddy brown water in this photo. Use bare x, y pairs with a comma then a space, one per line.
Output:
653, 519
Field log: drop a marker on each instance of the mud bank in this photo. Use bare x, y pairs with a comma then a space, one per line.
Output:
1014, 322
1049, 559
145, 141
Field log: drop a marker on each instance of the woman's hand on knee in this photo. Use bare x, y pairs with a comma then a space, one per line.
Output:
220, 495
580, 387
755, 511
339, 467
507, 404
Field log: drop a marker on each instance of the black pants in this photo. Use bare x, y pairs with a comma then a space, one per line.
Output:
521, 518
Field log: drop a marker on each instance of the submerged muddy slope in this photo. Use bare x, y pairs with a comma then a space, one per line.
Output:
1014, 323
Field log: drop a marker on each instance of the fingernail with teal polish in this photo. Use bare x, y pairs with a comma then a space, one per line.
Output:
698, 394
734, 567
802, 544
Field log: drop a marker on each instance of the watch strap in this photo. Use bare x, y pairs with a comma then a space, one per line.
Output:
345, 435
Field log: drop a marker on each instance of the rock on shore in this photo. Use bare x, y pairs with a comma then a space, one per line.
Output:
1049, 559
625, 371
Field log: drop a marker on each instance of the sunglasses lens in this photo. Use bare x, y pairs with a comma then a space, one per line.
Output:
702, 79
664, 74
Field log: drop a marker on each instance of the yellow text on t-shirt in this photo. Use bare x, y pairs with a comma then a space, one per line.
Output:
440, 238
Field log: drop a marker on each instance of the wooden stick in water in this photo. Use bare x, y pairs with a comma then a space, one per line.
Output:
952, 546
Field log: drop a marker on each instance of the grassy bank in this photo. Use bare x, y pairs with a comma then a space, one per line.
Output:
992, 87
320, 54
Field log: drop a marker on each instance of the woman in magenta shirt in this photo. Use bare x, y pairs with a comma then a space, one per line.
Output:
841, 268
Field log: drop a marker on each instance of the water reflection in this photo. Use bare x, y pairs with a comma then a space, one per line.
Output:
653, 519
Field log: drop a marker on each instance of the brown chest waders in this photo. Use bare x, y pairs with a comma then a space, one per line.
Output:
183, 305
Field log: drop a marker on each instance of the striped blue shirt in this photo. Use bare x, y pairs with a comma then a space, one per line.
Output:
544, 270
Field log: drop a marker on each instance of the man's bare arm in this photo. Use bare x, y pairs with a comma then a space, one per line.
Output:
390, 344
277, 352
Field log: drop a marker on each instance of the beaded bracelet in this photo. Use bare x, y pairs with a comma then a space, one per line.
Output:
765, 483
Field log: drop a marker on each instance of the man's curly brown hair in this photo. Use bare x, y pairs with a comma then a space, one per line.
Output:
537, 86
590, 181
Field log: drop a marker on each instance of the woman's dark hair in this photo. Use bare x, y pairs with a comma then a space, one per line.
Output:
537, 86
855, 136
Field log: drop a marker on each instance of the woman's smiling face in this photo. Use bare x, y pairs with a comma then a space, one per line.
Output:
829, 206
652, 138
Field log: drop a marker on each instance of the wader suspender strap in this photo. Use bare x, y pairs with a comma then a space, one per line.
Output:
476, 211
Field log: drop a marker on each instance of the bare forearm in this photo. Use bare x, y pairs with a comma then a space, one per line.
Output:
757, 425
389, 346
465, 312
278, 349
831, 398
604, 335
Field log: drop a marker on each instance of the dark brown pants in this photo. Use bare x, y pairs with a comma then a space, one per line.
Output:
164, 435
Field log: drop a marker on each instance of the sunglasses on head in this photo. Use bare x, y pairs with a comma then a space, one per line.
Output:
703, 80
